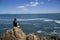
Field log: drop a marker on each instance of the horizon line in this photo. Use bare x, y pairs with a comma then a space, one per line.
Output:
29, 13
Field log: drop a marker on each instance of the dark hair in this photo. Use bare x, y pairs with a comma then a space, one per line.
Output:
14, 19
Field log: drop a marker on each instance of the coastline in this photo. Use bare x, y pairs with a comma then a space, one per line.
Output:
18, 34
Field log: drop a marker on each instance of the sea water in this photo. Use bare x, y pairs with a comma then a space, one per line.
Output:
41, 24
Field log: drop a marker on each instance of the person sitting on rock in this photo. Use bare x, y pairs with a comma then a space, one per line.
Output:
15, 22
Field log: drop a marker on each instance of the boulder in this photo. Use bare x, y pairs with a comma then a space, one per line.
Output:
14, 34
32, 37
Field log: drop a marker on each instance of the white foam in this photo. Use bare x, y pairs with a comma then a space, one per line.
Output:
40, 31
43, 19
32, 19
47, 20
57, 21
54, 32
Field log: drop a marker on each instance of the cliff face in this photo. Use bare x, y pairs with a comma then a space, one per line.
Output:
14, 34
17, 34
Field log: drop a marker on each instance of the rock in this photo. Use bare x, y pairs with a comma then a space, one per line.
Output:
32, 37
43, 38
52, 38
14, 34
58, 38
17, 34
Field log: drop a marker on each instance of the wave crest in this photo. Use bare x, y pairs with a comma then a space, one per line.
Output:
34, 19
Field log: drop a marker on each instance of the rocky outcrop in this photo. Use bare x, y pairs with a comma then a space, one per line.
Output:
32, 37
14, 34
17, 34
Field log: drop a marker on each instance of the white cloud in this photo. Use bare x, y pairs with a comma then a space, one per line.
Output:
22, 7
32, 4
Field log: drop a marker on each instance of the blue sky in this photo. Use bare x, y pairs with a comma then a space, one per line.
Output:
29, 6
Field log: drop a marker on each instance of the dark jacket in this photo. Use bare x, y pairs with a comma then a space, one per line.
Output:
15, 23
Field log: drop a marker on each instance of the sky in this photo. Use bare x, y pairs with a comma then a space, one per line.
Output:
29, 6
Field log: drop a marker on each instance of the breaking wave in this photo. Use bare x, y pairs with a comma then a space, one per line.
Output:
34, 19
54, 32
40, 31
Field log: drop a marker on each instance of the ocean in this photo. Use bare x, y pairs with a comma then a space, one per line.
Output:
41, 24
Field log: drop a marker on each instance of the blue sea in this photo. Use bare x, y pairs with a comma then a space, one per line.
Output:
41, 24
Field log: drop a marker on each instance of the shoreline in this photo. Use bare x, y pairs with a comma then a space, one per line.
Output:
10, 33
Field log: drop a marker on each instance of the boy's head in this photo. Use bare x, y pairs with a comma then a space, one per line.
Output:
14, 19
